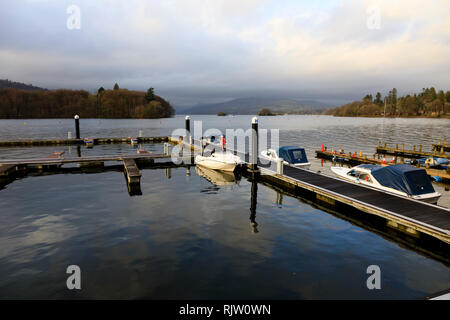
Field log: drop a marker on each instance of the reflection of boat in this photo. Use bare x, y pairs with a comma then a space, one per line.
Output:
224, 161
218, 178
291, 155
431, 162
400, 179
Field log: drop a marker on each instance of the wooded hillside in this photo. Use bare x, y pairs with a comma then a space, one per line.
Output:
63, 103
428, 103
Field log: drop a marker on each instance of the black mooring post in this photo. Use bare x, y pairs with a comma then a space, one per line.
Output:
188, 129
254, 155
77, 126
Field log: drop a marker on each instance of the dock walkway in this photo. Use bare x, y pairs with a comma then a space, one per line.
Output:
427, 216
53, 161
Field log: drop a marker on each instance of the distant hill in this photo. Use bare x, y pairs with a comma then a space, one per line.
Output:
254, 105
18, 85
428, 103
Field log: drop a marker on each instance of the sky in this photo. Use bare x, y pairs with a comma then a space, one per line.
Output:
205, 51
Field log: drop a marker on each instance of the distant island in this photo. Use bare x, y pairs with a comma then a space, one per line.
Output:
428, 103
249, 106
266, 112
221, 114
20, 101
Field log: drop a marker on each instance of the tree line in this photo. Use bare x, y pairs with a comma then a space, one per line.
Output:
428, 103
65, 103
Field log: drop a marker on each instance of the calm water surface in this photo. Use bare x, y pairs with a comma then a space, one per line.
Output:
188, 238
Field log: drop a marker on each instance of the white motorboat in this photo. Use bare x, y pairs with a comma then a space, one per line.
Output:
401, 179
224, 161
291, 155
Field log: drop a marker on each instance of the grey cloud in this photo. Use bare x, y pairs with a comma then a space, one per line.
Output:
222, 50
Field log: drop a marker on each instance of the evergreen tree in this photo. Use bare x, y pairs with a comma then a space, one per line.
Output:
150, 95
378, 99
432, 94
441, 96
116, 87
368, 98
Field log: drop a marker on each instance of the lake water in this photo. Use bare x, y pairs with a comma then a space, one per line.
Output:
187, 238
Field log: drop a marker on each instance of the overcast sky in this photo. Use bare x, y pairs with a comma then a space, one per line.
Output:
197, 51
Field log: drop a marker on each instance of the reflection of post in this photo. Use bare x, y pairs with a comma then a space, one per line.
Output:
168, 173
188, 171
253, 201
279, 198
78, 150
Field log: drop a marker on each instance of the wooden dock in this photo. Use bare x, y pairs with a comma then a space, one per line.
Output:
409, 216
441, 147
52, 142
132, 171
7, 169
62, 160
408, 153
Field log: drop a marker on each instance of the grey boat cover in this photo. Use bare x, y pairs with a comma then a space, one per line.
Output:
402, 177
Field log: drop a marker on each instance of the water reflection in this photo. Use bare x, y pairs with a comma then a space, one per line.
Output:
218, 178
253, 202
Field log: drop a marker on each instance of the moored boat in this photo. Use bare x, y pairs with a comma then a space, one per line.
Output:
431, 162
292, 155
224, 161
401, 179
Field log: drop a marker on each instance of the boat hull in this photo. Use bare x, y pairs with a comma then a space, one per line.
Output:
215, 165
222, 161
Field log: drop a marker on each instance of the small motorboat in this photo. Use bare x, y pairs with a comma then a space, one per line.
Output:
224, 161
400, 179
431, 162
291, 155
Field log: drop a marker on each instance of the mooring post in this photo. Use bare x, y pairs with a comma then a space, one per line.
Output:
166, 148
254, 155
280, 166
188, 129
69, 135
77, 126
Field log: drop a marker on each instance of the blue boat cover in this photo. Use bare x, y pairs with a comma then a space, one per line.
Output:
402, 177
292, 154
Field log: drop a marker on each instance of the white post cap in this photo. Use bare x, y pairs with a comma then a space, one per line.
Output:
254, 120
188, 118
76, 117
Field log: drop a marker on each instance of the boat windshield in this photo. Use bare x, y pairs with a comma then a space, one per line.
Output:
295, 155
